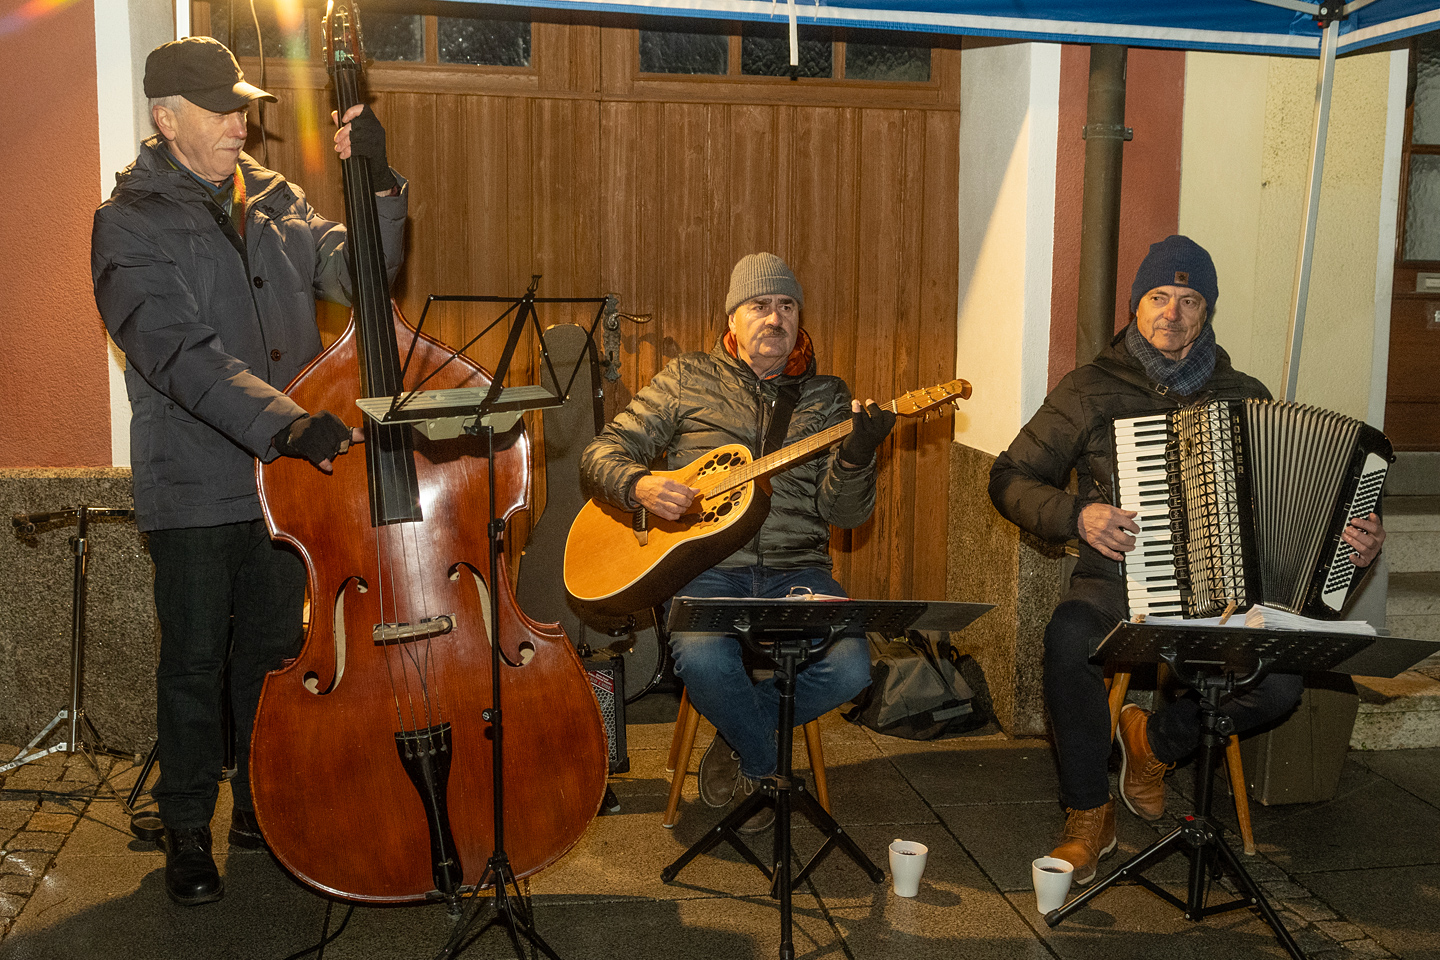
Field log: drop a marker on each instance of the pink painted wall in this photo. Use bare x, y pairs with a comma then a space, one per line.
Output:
54, 394
1150, 191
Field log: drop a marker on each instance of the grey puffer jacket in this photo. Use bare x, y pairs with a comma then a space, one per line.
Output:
1072, 431
211, 339
705, 400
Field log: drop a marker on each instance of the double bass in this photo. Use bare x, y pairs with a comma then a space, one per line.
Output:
371, 764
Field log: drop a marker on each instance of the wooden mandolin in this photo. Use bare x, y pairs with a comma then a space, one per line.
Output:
619, 560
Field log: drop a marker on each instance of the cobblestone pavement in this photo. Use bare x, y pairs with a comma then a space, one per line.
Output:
1351, 878
40, 804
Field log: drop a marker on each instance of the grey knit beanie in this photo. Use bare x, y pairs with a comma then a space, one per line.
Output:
757, 275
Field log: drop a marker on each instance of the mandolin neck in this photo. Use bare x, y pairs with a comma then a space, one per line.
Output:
780, 460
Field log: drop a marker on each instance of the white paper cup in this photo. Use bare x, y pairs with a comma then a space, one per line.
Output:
907, 862
1051, 877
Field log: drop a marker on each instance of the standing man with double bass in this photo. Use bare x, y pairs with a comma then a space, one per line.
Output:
206, 268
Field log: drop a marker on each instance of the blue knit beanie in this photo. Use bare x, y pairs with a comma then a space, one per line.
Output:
1176, 262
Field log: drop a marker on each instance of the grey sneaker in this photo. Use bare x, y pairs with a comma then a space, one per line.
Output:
762, 819
719, 773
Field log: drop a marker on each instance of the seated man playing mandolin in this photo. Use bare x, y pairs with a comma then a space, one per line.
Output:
758, 387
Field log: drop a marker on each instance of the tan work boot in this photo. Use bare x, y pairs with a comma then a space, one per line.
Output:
1142, 776
1089, 836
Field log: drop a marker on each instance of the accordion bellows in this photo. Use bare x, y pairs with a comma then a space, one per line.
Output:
1245, 501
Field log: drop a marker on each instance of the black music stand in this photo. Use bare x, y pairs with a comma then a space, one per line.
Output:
785, 631
1214, 661
446, 414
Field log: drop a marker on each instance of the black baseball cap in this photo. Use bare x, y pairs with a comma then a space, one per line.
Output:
202, 71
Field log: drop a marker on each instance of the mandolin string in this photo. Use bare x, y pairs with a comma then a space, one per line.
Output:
782, 458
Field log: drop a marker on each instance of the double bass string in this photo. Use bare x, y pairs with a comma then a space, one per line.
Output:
397, 583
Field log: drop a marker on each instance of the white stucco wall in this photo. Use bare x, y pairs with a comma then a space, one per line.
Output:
1009, 97
1245, 165
125, 33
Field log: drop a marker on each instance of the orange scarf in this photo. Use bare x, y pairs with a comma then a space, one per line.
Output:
795, 364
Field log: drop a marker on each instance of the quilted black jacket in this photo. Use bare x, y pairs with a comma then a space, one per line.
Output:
1071, 431
705, 400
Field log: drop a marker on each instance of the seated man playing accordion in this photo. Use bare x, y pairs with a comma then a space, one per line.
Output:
1166, 359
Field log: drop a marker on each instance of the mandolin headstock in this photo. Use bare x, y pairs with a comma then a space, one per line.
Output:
917, 402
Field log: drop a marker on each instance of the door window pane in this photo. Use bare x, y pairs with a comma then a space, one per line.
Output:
395, 36
496, 43
879, 61
1426, 125
765, 50
667, 48
1422, 209
287, 39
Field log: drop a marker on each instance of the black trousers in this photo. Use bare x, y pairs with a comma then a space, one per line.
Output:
1080, 714
215, 585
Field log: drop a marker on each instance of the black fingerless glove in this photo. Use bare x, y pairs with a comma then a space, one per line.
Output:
367, 140
868, 430
315, 437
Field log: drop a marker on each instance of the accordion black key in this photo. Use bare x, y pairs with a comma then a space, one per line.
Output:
1245, 501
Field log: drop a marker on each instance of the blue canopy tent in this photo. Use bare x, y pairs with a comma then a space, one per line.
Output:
1308, 28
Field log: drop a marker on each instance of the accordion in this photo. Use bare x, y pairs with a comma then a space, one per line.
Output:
1245, 501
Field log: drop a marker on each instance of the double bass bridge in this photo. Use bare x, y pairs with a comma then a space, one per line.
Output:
386, 634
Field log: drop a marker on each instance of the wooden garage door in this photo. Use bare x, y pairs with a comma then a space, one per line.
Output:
578, 166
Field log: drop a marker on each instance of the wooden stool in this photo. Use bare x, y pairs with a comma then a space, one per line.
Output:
682, 745
1120, 685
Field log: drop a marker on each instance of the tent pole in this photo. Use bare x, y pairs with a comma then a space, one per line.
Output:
1105, 135
1323, 89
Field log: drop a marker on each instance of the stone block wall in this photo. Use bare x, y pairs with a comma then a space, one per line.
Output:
36, 589
991, 561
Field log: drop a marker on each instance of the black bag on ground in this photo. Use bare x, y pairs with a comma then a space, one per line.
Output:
915, 691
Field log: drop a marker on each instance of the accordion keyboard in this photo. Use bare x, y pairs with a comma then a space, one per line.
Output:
1151, 582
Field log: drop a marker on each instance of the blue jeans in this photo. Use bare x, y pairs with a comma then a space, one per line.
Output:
747, 713
1080, 713
213, 584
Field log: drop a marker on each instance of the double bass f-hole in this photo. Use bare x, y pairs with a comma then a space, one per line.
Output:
371, 764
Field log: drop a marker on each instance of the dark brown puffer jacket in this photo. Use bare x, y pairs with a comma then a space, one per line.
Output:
705, 400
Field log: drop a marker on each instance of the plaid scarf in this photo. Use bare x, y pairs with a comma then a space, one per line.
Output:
1184, 376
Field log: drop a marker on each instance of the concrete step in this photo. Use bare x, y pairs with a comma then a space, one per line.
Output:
1397, 713
1414, 474
1412, 528
1415, 594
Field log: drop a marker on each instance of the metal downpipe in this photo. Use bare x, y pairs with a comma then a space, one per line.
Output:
1105, 134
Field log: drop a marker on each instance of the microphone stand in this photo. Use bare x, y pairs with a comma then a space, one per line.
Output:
83, 738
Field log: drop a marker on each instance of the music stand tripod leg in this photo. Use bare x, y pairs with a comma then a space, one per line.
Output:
1199, 833
511, 909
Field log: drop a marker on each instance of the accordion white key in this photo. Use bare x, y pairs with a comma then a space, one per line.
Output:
1245, 501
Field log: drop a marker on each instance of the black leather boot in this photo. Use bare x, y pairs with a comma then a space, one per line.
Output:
190, 874
245, 830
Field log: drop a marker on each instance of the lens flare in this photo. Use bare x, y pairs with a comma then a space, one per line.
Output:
28, 13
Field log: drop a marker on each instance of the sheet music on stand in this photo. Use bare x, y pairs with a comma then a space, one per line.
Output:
1241, 649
